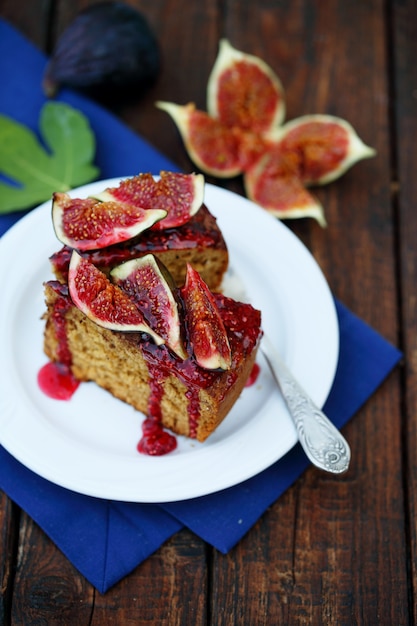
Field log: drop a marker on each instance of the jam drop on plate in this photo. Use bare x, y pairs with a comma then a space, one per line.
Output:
56, 381
155, 441
253, 377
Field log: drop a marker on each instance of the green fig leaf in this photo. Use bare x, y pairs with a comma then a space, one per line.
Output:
36, 172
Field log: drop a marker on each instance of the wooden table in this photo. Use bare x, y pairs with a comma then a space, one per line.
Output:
337, 551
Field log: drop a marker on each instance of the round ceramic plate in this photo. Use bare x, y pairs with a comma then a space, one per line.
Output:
89, 443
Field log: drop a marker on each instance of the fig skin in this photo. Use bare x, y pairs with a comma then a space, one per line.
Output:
108, 52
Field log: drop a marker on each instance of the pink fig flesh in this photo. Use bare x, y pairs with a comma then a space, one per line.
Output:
149, 285
102, 302
179, 195
87, 224
206, 330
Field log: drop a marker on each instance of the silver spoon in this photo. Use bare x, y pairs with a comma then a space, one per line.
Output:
323, 444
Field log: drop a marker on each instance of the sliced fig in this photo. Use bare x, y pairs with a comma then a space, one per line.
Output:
179, 195
244, 91
241, 133
102, 302
213, 147
273, 183
322, 147
206, 330
87, 224
150, 286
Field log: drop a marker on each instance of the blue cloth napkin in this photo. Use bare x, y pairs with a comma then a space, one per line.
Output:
106, 540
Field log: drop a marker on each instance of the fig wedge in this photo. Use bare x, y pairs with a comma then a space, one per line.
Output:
87, 224
322, 147
147, 283
212, 147
102, 302
244, 91
206, 330
179, 195
273, 183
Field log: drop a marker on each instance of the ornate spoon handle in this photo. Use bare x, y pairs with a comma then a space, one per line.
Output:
322, 442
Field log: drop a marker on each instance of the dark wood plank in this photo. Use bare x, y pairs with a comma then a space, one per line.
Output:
170, 588
404, 37
339, 543
9, 519
330, 551
47, 588
31, 18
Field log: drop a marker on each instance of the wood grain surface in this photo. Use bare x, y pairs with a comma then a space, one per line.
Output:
332, 551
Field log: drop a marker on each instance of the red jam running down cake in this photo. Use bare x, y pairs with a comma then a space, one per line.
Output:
173, 349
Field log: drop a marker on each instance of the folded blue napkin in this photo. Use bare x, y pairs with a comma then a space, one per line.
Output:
106, 540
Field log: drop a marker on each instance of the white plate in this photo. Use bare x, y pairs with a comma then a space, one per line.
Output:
89, 444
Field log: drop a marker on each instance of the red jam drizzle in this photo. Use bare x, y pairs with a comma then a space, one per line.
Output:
61, 306
243, 332
155, 440
242, 323
57, 381
253, 377
192, 396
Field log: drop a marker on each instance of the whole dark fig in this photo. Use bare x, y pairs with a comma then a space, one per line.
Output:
109, 52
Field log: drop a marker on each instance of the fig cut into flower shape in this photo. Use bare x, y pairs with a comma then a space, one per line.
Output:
243, 133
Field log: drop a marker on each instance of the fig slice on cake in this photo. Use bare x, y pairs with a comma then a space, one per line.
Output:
179, 195
205, 327
88, 224
148, 284
244, 91
103, 302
